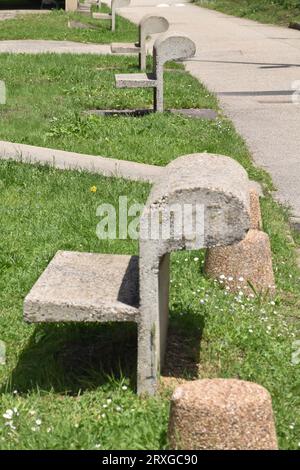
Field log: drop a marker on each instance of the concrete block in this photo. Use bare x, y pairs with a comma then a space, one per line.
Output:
222, 414
244, 265
135, 80
101, 16
255, 212
125, 48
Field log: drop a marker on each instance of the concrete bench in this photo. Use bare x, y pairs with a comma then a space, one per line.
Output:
212, 196
85, 8
115, 4
149, 24
167, 47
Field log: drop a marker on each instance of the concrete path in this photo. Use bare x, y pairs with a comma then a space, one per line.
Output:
9, 14
252, 68
29, 46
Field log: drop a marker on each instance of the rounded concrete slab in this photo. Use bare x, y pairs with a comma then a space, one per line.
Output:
217, 184
153, 24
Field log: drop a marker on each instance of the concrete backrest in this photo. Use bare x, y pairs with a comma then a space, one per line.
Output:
151, 24
71, 5
171, 46
119, 4
209, 196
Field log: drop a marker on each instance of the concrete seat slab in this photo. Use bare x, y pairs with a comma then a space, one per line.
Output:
102, 16
85, 287
125, 48
135, 80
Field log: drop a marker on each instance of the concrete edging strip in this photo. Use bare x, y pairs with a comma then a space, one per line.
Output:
63, 160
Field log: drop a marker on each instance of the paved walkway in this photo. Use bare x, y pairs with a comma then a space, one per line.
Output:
29, 46
9, 14
251, 67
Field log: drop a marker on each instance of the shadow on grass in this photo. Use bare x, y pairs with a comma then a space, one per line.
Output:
72, 358
183, 346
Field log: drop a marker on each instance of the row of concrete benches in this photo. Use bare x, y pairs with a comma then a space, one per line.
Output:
86, 8
168, 47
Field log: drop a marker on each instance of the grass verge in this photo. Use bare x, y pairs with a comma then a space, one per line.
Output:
280, 12
46, 107
54, 26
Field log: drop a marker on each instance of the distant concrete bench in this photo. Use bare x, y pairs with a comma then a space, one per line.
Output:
149, 24
167, 47
209, 196
71, 5
85, 8
115, 4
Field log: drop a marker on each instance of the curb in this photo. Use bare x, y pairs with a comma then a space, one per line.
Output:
63, 160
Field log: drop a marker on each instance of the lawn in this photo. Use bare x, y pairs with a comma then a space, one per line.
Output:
54, 26
74, 386
46, 107
276, 11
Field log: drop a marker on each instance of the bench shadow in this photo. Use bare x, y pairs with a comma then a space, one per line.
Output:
183, 346
120, 112
69, 359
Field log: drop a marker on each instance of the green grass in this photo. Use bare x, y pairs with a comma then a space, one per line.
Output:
46, 105
68, 383
71, 377
266, 11
54, 26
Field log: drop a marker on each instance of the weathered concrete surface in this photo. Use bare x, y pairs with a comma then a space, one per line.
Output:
169, 46
149, 25
71, 5
77, 161
85, 287
255, 212
125, 48
102, 16
222, 414
10, 14
251, 67
209, 194
30, 46
115, 5
135, 80
244, 265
